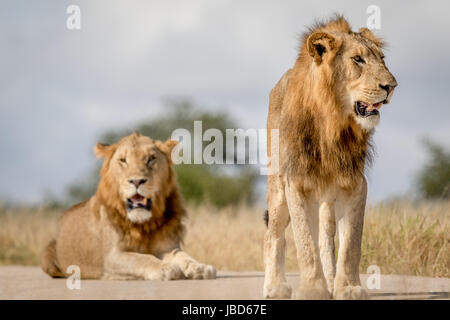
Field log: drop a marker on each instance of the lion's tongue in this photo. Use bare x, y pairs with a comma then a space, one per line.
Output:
137, 198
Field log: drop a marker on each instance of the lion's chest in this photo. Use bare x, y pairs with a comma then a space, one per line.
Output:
154, 242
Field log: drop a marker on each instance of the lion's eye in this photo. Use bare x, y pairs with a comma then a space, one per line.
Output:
382, 57
151, 160
358, 59
123, 160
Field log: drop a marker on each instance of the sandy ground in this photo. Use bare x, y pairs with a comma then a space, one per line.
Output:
17, 282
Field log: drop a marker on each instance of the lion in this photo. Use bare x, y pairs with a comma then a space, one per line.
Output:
131, 228
325, 109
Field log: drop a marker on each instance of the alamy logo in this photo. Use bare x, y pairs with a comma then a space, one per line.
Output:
374, 279
73, 22
73, 281
374, 20
231, 149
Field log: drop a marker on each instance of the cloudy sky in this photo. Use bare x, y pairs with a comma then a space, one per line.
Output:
61, 89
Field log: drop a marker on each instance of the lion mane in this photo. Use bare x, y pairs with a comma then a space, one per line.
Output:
167, 211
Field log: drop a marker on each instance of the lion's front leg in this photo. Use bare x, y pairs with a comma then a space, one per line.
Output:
191, 268
312, 281
275, 284
327, 231
126, 265
347, 284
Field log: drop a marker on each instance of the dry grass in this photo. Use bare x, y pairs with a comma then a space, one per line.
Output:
24, 234
408, 239
400, 238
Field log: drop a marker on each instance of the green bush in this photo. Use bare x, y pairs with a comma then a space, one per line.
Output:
434, 178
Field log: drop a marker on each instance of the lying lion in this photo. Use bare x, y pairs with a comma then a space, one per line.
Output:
325, 109
132, 227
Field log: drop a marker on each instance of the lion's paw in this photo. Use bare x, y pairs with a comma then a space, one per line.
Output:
350, 293
311, 293
278, 291
171, 271
199, 271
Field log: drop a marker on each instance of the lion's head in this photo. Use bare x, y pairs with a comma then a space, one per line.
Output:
331, 102
353, 65
136, 176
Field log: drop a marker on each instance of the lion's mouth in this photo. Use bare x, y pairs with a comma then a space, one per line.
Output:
139, 202
364, 109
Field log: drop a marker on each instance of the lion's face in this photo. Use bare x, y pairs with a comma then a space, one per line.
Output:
366, 81
137, 169
363, 83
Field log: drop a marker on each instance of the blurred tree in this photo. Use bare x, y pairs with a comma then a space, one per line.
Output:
434, 178
199, 182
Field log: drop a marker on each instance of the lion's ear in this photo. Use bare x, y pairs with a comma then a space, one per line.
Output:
322, 45
167, 146
366, 33
102, 150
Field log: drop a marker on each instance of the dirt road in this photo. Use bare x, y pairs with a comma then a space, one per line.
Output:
17, 282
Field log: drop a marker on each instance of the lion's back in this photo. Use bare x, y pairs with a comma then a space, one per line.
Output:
276, 99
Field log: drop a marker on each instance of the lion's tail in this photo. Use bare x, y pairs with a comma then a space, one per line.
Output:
266, 218
49, 261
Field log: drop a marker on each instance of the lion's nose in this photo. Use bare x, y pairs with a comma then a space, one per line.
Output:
137, 182
388, 87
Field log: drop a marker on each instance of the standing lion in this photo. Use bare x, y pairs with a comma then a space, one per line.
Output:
325, 108
132, 227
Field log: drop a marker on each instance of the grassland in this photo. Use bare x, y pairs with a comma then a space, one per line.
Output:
400, 238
